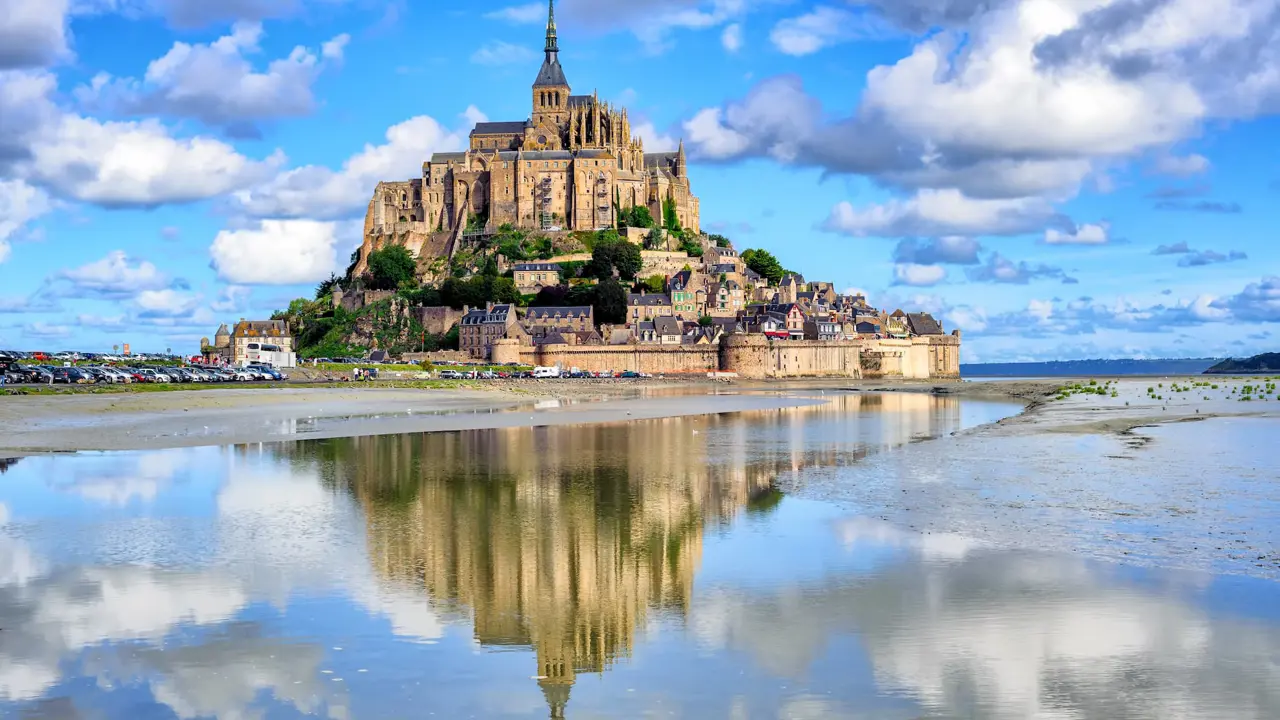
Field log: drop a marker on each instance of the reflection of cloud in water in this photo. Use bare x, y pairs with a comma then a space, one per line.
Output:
282, 527
1003, 635
223, 676
49, 618
864, 531
118, 479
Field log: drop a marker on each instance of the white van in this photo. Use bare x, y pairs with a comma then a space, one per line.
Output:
546, 372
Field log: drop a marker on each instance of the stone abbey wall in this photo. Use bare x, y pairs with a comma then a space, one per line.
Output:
757, 357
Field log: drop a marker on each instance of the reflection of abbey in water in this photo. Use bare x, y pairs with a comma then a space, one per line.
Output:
562, 539
565, 539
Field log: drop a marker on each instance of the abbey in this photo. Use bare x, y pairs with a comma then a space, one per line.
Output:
567, 167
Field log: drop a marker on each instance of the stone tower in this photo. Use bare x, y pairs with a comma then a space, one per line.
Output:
550, 89
222, 339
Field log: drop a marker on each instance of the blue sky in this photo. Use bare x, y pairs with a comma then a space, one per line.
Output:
1057, 178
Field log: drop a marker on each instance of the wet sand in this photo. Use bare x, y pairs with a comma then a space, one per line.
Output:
1188, 482
146, 421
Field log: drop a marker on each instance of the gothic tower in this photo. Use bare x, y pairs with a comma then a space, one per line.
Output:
551, 89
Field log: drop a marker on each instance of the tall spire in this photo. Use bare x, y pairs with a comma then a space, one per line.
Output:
552, 45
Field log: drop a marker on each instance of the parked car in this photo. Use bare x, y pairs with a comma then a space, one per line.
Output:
70, 376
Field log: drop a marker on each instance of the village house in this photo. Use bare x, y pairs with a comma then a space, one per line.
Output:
822, 327
478, 329
644, 306
725, 299
540, 321
253, 341
688, 294
662, 330
924, 324
532, 277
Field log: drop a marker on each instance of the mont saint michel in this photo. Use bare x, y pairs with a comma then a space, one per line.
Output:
568, 166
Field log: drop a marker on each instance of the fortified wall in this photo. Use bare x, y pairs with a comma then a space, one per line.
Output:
758, 357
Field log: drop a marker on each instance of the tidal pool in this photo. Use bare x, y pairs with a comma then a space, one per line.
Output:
644, 569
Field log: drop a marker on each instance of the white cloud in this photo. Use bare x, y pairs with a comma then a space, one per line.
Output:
712, 138
166, 303
232, 299
1097, 234
819, 28
918, 275
940, 212
1182, 166
522, 14
276, 252
654, 140
19, 204
117, 275
497, 52
318, 192
216, 83
118, 164
334, 49
42, 329
33, 33
731, 37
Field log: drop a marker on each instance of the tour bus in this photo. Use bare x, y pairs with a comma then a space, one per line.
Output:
273, 355
546, 372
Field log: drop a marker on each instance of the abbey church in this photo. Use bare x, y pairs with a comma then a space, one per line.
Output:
567, 167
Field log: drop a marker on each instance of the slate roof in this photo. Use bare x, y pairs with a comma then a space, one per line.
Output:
480, 316
924, 324
581, 100
659, 160
648, 300
551, 74
666, 325
444, 157
500, 128
725, 268
593, 154
799, 279
537, 267
555, 313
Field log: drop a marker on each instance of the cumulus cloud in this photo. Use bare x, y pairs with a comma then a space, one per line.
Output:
731, 37
232, 299
33, 33
318, 192
19, 204
1258, 302
497, 52
821, 27
1019, 98
276, 252
216, 83
941, 212
1082, 235
918, 275
115, 276
1210, 257
45, 330
999, 269
944, 250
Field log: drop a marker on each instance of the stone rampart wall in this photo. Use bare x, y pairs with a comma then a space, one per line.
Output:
757, 357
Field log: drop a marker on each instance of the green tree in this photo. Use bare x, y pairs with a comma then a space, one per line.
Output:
765, 264
613, 254
720, 240
610, 305
653, 284
706, 321
689, 244
636, 216
326, 287
670, 219
391, 266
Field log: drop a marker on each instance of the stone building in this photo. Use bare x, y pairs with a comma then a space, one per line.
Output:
688, 290
565, 167
541, 321
725, 299
645, 306
532, 277
479, 328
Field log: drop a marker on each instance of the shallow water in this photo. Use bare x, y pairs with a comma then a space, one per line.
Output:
632, 570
